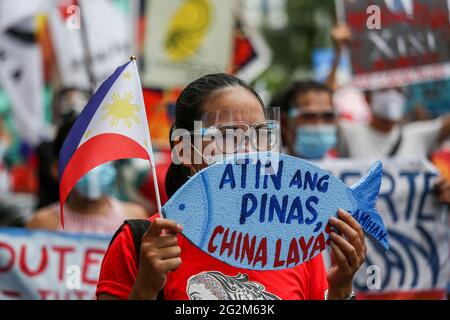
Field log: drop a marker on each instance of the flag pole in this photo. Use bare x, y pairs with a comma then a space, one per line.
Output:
152, 162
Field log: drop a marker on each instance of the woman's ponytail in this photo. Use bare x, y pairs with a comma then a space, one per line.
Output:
176, 176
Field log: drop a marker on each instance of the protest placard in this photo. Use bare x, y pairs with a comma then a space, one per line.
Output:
270, 213
87, 47
416, 266
397, 42
185, 39
43, 265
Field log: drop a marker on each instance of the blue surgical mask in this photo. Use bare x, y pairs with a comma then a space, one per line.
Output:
98, 182
313, 142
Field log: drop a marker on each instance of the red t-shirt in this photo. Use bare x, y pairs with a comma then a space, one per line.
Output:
201, 276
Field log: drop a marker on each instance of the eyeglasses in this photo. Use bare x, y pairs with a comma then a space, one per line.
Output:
231, 131
240, 136
327, 116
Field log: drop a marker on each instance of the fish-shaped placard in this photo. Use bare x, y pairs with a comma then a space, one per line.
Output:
267, 213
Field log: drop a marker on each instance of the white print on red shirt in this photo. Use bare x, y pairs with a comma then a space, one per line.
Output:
214, 285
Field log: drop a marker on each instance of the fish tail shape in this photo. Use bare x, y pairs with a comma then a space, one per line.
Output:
365, 192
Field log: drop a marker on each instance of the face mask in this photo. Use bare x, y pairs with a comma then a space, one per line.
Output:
312, 142
76, 104
97, 182
389, 105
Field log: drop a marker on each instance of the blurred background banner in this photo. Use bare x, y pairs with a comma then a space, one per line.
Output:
43, 265
109, 36
71, 58
401, 42
433, 97
186, 39
88, 47
13, 11
22, 77
416, 266
252, 56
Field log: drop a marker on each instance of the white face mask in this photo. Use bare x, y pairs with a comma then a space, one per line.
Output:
75, 103
389, 105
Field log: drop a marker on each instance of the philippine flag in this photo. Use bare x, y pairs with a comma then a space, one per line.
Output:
112, 126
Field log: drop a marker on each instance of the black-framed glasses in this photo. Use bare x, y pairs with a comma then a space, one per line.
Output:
326, 116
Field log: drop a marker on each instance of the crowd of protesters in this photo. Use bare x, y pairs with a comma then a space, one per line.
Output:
311, 128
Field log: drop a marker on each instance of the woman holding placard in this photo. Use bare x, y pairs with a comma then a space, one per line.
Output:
150, 260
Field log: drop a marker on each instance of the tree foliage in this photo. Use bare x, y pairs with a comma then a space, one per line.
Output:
309, 26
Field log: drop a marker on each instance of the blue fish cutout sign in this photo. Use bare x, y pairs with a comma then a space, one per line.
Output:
270, 214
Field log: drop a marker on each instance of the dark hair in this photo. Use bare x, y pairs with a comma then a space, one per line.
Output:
298, 88
63, 132
189, 109
62, 116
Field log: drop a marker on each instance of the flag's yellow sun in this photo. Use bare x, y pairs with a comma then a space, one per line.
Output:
121, 109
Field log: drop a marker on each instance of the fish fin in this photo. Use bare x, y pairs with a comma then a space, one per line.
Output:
365, 192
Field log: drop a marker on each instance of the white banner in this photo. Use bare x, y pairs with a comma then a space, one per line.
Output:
417, 225
22, 77
95, 29
43, 265
186, 39
65, 28
108, 33
13, 12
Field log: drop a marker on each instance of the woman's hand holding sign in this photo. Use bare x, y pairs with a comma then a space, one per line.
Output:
160, 254
348, 250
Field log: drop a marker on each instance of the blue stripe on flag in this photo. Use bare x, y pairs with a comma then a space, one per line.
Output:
79, 127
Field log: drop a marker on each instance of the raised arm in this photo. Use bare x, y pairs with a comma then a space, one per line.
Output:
341, 35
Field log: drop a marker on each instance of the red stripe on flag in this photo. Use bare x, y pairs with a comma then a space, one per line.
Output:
94, 152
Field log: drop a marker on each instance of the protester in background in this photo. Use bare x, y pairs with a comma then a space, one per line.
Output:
341, 35
47, 192
91, 206
67, 103
141, 272
386, 135
309, 127
279, 100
